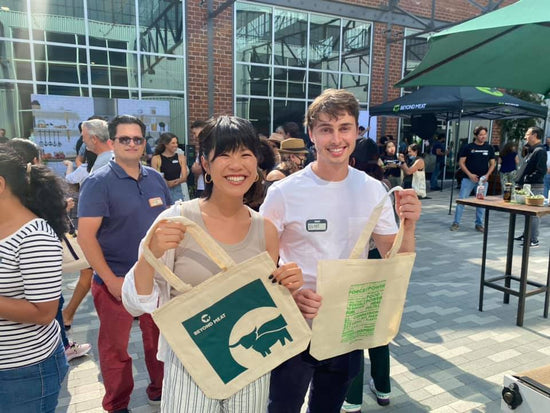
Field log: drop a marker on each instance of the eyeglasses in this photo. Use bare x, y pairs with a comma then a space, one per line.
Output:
125, 140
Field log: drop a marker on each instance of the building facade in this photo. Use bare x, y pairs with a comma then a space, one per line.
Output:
262, 60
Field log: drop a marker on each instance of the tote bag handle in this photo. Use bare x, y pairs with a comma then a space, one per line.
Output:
363, 240
206, 242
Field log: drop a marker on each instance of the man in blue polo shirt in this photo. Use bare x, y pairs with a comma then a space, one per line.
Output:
118, 203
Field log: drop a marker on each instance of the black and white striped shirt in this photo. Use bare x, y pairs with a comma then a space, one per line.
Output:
30, 269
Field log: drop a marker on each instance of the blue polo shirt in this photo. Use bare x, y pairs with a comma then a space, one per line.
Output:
128, 208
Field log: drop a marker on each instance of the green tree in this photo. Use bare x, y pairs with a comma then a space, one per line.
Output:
514, 129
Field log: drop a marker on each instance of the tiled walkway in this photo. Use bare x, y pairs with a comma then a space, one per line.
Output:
448, 356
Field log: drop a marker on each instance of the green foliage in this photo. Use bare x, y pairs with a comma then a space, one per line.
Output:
514, 129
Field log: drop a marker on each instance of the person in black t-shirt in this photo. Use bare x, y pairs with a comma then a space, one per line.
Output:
477, 161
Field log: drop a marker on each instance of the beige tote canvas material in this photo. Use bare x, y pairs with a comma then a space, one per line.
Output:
363, 299
232, 328
73, 257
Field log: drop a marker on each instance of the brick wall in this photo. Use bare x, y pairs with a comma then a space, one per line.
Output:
197, 44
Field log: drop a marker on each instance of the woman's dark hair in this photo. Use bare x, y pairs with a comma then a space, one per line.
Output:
292, 129
164, 140
27, 150
508, 148
267, 156
416, 148
225, 134
40, 190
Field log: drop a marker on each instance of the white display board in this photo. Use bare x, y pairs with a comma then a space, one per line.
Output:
155, 114
55, 123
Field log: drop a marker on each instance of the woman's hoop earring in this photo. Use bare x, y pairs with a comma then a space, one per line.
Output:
207, 178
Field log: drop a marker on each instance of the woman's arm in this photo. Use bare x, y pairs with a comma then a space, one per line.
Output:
183, 164
416, 166
289, 274
155, 162
167, 235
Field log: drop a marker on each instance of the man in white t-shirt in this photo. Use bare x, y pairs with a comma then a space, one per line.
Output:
319, 213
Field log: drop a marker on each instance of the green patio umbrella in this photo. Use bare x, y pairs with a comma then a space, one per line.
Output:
507, 48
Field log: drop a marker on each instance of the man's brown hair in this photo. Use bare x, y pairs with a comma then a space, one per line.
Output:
334, 103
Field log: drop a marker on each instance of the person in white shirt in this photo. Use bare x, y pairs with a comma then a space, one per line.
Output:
319, 213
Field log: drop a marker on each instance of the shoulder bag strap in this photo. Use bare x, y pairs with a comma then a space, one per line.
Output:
363, 240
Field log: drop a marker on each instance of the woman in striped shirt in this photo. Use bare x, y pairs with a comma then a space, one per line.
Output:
32, 358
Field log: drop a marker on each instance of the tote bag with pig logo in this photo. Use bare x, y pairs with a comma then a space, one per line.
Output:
232, 328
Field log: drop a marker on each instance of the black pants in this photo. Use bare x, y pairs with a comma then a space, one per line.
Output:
329, 379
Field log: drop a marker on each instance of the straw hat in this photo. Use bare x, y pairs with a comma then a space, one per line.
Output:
293, 145
277, 138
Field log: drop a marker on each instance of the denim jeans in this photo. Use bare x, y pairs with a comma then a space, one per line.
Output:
35, 388
546, 185
465, 189
435, 175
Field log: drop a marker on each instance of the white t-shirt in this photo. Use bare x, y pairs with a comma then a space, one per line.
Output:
318, 219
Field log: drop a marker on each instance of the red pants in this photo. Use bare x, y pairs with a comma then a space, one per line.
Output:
115, 324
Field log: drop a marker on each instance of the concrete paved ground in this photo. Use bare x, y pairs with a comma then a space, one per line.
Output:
448, 356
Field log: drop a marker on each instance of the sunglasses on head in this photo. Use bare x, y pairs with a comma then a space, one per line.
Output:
125, 140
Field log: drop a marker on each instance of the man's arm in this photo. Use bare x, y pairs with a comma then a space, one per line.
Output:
408, 207
491, 168
87, 238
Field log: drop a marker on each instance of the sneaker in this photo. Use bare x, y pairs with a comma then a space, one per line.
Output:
455, 227
349, 407
154, 402
480, 228
76, 350
383, 399
435, 188
532, 244
520, 238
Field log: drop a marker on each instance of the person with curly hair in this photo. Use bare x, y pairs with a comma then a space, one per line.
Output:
32, 201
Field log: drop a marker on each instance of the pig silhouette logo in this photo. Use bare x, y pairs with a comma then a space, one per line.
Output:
264, 337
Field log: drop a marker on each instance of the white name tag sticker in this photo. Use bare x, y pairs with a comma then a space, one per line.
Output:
316, 225
175, 161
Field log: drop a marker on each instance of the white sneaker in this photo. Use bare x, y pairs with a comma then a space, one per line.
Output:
351, 408
383, 399
76, 350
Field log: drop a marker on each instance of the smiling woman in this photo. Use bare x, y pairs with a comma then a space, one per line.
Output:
229, 149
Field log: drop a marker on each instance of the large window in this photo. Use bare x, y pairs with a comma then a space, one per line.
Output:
285, 58
130, 49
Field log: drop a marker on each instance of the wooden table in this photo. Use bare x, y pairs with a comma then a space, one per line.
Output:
497, 204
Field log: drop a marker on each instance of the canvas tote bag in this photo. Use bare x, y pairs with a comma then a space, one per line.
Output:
419, 183
73, 257
362, 299
232, 328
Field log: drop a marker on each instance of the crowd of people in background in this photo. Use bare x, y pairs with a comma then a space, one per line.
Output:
234, 183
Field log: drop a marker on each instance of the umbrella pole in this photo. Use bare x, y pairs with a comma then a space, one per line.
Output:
446, 147
454, 162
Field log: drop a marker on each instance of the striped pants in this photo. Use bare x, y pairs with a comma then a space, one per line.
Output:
181, 394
